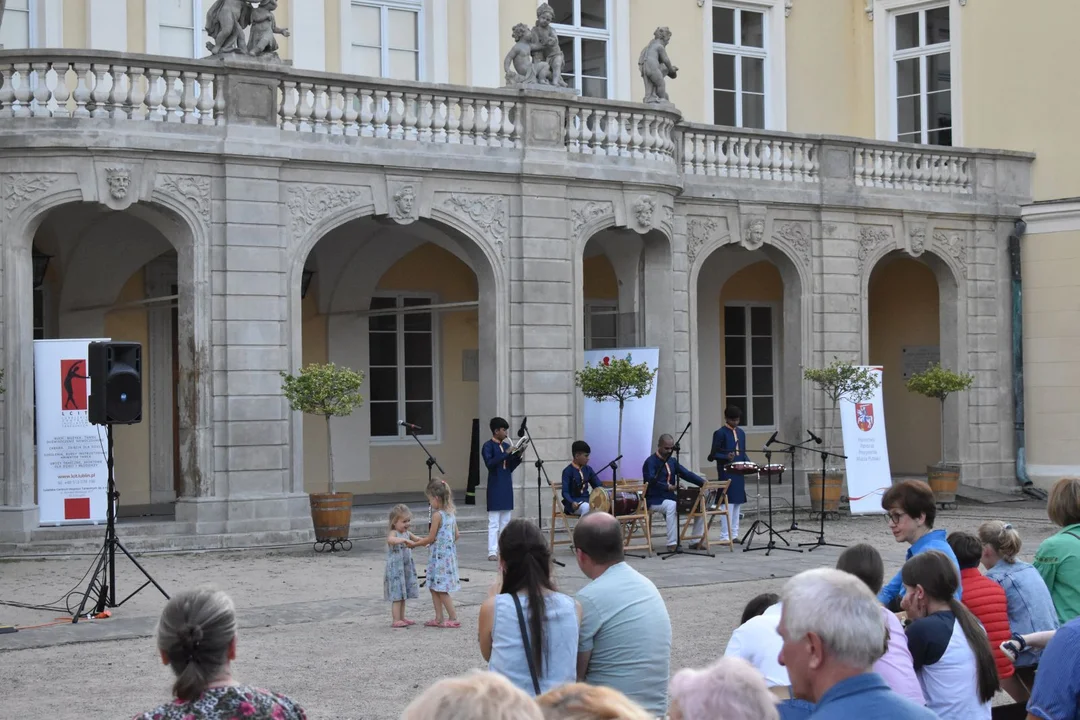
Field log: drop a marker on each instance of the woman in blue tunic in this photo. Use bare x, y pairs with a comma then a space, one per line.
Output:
500, 485
728, 446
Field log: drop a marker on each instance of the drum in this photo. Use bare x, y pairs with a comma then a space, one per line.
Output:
626, 503
599, 500
774, 470
741, 468
686, 497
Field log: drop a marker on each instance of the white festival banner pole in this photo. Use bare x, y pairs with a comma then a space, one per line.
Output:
602, 419
868, 472
72, 471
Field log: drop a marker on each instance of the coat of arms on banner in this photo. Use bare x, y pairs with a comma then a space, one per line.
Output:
864, 416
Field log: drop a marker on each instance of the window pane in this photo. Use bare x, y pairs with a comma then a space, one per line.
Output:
762, 381
366, 61
723, 25
909, 138
18, 5
761, 321
382, 349
594, 58
386, 323
734, 351
175, 42
723, 71
366, 22
564, 11
15, 30
422, 414
753, 29
382, 302
418, 384
907, 77
753, 75
570, 61
417, 322
403, 65
382, 384
939, 110
761, 351
735, 381
593, 87
734, 320
938, 74
940, 137
602, 325
908, 119
753, 111
736, 400
401, 29
907, 31
763, 412
411, 302
937, 25
384, 419
178, 13
417, 349
594, 13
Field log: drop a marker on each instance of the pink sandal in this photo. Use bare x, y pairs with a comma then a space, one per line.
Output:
408, 622
451, 624
399, 624
433, 623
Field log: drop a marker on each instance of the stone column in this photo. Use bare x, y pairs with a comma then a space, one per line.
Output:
657, 313
693, 458
161, 274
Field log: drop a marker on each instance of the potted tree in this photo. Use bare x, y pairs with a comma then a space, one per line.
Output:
837, 380
329, 391
618, 380
939, 383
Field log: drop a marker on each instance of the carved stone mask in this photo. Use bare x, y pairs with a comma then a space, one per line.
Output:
404, 200
643, 210
755, 232
119, 179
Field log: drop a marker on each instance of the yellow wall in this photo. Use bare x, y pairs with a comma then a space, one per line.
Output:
132, 442
760, 282
400, 467
75, 24
904, 311
333, 36
136, 25
456, 11
687, 51
600, 282
511, 12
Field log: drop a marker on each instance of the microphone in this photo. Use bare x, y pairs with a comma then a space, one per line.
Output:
814, 437
772, 439
521, 430
409, 426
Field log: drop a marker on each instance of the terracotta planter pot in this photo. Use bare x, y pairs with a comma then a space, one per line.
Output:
331, 514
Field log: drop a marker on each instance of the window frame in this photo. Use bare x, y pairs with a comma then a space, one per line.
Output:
883, 16
435, 432
741, 52
592, 304
154, 25
748, 411
579, 33
384, 6
774, 51
31, 24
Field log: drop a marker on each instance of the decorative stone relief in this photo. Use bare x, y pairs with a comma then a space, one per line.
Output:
644, 209
403, 209
308, 204
194, 190
870, 239
828, 229
917, 240
582, 214
656, 67
22, 189
754, 234
668, 219
788, 4
487, 212
699, 232
797, 237
955, 247
118, 179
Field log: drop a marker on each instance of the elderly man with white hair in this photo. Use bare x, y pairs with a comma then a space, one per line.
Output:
833, 633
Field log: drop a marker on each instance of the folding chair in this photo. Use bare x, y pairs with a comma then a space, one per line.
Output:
701, 509
635, 523
557, 513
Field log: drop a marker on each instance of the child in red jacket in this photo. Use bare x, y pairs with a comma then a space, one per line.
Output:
986, 600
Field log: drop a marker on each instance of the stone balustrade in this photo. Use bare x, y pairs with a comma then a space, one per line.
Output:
926, 169
727, 152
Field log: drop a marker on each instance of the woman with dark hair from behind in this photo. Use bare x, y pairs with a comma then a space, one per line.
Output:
196, 637
895, 666
552, 618
948, 645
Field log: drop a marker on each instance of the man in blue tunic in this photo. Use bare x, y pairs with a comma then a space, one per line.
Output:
577, 478
501, 464
728, 446
661, 473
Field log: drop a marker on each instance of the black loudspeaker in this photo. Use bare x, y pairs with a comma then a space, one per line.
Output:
115, 370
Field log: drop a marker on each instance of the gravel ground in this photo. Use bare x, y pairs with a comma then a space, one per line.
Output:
315, 627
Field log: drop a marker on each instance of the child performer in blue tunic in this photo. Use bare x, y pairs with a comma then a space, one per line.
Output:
662, 472
577, 478
500, 485
728, 446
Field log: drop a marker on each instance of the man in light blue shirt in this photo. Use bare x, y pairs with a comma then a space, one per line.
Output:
625, 638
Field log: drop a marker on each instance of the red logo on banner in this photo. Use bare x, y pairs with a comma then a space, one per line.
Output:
864, 416
76, 508
607, 361
73, 385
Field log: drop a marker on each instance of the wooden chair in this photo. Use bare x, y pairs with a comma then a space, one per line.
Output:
636, 534
557, 513
701, 510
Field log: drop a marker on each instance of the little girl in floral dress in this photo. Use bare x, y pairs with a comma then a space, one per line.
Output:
442, 567
400, 583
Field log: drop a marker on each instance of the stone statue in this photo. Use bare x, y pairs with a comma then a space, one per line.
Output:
226, 21
546, 45
656, 67
518, 66
261, 40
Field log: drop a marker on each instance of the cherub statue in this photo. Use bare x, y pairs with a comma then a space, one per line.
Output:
656, 67
261, 40
225, 24
545, 45
518, 66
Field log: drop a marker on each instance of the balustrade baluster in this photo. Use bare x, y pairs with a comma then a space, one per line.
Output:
155, 94
506, 132
573, 129
172, 97
188, 100
454, 114
367, 113
335, 100
39, 107
62, 93
219, 103
205, 104
690, 157
776, 155
411, 119
519, 126
23, 93
611, 133
397, 114
636, 137
289, 102
494, 112
100, 94
624, 135
306, 111
7, 91
786, 164
599, 131
352, 129
468, 121
322, 109
585, 128
707, 155
118, 97
425, 116
811, 168
648, 142
439, 119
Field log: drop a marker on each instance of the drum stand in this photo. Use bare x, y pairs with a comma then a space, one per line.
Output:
771, 544
678, 516
754, 528
820, 542
790, 450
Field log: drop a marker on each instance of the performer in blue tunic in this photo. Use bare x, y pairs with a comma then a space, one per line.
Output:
728, 446
577, 478
501, 464
661, 473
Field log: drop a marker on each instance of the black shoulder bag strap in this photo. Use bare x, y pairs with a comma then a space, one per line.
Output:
525, 640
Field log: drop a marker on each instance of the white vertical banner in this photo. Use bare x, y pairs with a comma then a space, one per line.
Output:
602, 419
72, 471
867, 464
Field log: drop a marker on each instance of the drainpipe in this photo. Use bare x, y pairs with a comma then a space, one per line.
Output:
1019, 227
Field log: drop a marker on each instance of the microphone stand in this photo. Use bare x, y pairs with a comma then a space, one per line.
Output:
540, 470
678, 516
820, 542
410, 430
790, 450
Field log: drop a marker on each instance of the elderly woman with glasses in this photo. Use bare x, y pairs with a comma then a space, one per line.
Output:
911, 510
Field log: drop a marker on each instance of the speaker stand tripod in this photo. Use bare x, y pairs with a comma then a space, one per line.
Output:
104, 577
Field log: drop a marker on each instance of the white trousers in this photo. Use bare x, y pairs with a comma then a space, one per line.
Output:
671, 521
733, 510
497, 520
582, 511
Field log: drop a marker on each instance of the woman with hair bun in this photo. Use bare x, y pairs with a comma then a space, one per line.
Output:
196, 637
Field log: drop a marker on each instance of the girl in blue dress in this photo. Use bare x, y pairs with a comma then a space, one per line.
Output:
400, 583
442, 567
728, 446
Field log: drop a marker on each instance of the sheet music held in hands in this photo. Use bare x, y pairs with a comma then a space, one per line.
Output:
519, 445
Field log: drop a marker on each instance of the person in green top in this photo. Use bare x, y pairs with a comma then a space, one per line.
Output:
1058, 558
